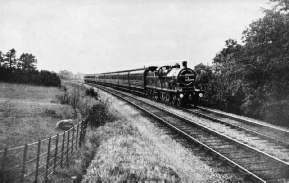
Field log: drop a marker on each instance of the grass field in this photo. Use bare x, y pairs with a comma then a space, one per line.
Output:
27, 114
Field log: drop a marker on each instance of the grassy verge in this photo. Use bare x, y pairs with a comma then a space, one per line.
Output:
132, 149
124, 146
97, 113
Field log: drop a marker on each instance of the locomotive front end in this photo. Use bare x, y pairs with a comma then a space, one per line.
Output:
173, 84
189, 94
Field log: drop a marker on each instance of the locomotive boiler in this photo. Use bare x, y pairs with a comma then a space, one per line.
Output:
173, 84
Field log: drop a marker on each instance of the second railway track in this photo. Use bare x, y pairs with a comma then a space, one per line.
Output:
255, 164
265, 131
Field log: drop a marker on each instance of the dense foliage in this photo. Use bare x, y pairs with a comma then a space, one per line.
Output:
23, 70
253, 78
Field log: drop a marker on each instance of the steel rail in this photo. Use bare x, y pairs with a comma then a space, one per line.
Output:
235, 164
246, 130
253, 132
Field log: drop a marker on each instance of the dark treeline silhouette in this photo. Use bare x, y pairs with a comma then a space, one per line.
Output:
23, 70
252, 78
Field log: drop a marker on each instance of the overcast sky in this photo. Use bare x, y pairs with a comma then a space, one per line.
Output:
93, 36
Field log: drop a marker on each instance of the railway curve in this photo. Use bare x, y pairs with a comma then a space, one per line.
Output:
254, 163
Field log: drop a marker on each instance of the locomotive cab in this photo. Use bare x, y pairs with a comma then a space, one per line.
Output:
164, 70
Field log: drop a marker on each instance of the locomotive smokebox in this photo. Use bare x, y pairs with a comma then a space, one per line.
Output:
184, 63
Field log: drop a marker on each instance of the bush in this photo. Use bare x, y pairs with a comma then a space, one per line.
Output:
99, 115
44, 78
92, 93
276, 112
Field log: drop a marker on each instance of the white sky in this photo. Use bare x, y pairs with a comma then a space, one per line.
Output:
94, 36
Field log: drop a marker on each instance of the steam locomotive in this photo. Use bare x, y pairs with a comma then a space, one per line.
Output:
173, 84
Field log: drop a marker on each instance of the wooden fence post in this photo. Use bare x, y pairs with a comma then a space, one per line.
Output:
72, 139
80, 133
77, 142
62, 149
55, 153
67, 150
3, 163
23, 163
85, 126
47, 160
37, 160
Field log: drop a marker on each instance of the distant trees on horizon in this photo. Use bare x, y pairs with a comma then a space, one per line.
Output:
64, 74
23, 70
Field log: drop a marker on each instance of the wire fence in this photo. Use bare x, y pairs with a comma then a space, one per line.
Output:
35, 162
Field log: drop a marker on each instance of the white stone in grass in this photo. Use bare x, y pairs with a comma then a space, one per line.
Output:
65, 124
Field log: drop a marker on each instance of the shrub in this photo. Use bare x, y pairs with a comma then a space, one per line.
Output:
92, 93
50, 111
99, 114
44, 78
276, 112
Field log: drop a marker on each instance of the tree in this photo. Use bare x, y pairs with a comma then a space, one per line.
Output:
282, 4
267, 45
28, 61
10, 57
226, 86
1, 59
66, 74
204, 74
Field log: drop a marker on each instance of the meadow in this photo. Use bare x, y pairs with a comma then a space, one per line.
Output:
28, 113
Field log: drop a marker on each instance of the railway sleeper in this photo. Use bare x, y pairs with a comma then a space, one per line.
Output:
194, 132
284, 150
276, 180
214, 144
267, 174
228, 150
280, 148
237, 156
247, 177
249, 156
250, 160
222, 146
205, 137
264, 167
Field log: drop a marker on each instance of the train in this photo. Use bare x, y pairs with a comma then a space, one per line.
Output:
174, 84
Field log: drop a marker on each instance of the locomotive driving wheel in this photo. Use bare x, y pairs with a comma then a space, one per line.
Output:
146, 92
167, 98
174, 100
156, 95
179, 102
151, 94
163, 97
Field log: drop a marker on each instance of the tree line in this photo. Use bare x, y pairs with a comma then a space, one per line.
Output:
252, 78
64, 74
23, 70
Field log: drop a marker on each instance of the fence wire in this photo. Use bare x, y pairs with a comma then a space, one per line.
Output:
34, 162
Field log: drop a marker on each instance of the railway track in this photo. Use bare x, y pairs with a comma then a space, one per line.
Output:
267, 138
253, 163
266, 131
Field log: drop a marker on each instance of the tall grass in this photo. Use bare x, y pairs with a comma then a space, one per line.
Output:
80, 97
96, 112
124, 155
132, 149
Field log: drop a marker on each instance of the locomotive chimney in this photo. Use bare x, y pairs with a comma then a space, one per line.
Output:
184, 63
